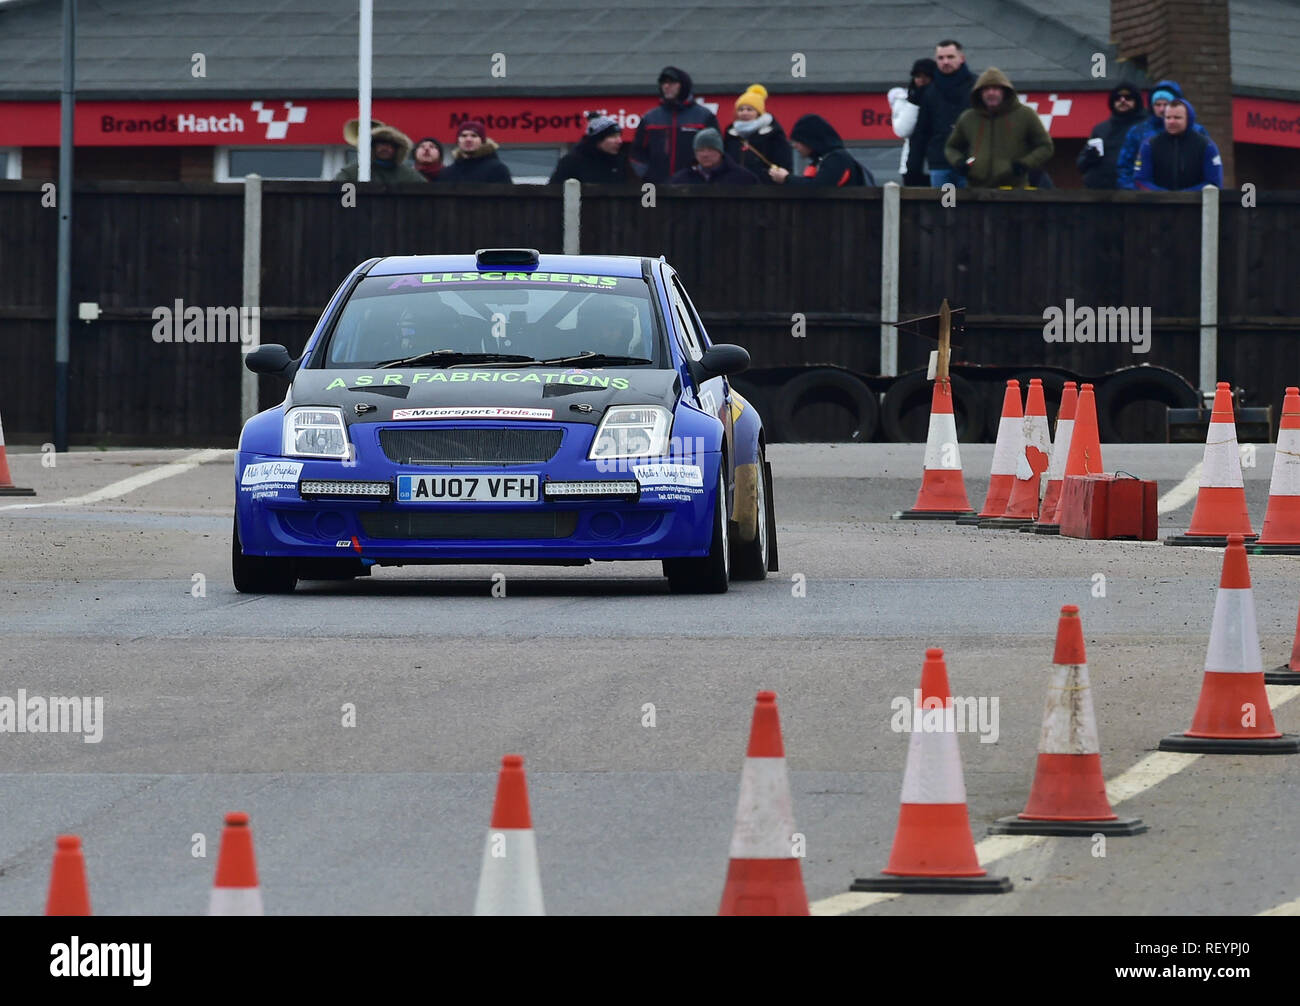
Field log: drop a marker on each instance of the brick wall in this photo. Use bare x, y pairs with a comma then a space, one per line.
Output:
1187, 41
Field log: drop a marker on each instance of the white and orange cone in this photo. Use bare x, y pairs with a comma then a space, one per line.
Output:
764, 876
1280, 534
1233, 715
1007, 451
1221, 499
934, 851
236, 890
1049, 514
510, 882
1068, 796
1031, 466
1288, 673
68, 893
7, 487
943, 490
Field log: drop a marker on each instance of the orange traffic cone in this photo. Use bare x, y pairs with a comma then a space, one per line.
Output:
1221, 499
1022, 505
510, 879
235, 890
1048, 517
68, 892
1007, 450
934, 852
943, 490
1068, 796
1233, 715
764, 877
1280, 534
7, 487
1288, 673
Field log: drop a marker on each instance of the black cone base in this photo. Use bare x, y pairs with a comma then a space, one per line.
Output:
1206, 540
1286, 744
1005, 523
970, 519
933, 885
1047, 528
1019, 826
16, 491
1282, 676
1273, 549
929, 514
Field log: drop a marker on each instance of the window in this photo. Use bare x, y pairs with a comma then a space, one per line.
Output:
685, 316
11, 163
310, 163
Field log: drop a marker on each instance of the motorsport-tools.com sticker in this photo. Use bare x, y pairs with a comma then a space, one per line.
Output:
485, 412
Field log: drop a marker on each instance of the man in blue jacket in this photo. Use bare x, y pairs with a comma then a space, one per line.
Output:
663, 142
1161, 95
1179, 159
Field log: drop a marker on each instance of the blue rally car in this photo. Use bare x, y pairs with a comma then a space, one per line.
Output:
504, 407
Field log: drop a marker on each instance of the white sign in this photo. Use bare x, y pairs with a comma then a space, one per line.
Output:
669, 475
270, 471
485, 412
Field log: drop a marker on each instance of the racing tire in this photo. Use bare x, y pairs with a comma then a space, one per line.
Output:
750, 561
258, 574
710, 574
905, 412
825, 386
1131, 403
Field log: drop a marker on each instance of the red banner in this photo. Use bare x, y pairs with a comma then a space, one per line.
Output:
512, 120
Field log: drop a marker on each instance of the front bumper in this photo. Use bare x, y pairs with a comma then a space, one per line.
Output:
662, 521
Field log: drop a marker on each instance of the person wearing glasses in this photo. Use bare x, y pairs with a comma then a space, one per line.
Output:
1099, 157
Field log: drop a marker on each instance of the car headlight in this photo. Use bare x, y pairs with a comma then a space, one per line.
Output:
316, 433
632, 431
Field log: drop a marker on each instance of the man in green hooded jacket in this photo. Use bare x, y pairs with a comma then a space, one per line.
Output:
998, 141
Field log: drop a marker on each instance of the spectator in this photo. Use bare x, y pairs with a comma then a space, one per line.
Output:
1178, 159
941, 103
597, 158
755, 140
904, 105
1098, 159
1161, 95
662, 145
475, 157
389, 149
428, 158
829, 164
712, 165
998, 141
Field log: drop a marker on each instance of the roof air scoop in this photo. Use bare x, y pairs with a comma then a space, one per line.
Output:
507, 256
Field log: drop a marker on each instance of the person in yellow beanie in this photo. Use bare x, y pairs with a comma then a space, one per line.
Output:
755, 140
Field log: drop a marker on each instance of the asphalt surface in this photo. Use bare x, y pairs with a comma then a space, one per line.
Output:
235, 702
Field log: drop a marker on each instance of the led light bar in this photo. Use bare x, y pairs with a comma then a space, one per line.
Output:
371, 490
619, 487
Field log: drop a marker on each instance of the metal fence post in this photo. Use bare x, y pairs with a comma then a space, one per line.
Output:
252, 297
572, 216
889, 237
1209, 368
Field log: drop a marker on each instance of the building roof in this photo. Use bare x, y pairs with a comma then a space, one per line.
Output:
434, 48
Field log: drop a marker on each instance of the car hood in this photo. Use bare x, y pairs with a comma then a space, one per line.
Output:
495, 393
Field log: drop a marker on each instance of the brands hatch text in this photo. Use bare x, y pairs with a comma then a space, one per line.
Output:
504, 407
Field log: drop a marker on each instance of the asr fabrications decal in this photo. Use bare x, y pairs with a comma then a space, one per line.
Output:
486, 412
390, 378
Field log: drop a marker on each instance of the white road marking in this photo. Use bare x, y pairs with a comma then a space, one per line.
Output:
1183, 493
134, 482
1152, 770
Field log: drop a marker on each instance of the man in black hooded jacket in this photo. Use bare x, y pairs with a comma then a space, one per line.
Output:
1099, 167
663, 143
942, 103
598, 157
829, 163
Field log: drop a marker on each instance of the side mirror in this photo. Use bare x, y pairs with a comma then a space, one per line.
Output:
271, 359
725, 359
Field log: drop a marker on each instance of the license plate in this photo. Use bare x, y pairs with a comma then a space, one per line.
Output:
467, 489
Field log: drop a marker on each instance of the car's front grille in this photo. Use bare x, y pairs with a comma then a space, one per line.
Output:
457, 446
470, 526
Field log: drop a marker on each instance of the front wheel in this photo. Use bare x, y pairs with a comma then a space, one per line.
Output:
712, 573
258, 574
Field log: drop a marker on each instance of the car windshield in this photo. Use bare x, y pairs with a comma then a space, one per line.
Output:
487, 318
